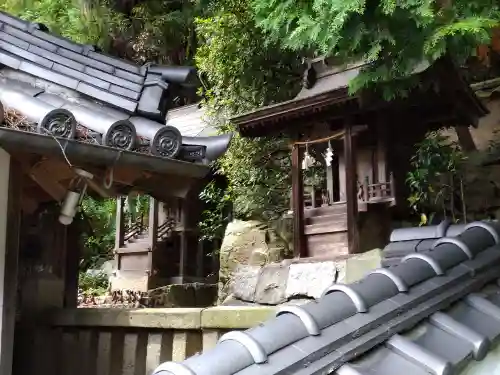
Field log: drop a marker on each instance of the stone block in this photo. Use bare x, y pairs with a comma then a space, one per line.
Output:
174, 318
271, 285
310, 279
244, 282
235, 317
357, 266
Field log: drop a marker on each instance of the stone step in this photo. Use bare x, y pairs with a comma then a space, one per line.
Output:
328, 245
134, 247
138, 240
331, 227
325, 219
336, 208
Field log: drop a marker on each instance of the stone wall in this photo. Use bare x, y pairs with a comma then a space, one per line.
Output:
296, 281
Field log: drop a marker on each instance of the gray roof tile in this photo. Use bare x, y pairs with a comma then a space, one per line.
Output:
113, 61
25, 54
57, 58
129, 76
113, 79
437, 326
48, 75
105, 96
14, 41
124, 92
81, 76
29, 38
85, 60
16, 22
112, 84
59, 41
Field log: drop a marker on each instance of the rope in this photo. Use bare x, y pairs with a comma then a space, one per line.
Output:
339, 134
321, 140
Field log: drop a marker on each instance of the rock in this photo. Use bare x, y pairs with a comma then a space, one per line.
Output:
244, 282
271, 285
310, 279
247, 243
108, 267
357, 266
183, 295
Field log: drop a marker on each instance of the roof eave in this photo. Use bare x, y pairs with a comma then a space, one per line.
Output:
291, 108
96, 154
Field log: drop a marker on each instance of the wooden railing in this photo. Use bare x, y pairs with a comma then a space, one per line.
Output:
131, 342
166, 228
134, 229
125, 233
377, 192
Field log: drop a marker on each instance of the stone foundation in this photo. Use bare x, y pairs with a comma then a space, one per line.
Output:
175, 295
296, 281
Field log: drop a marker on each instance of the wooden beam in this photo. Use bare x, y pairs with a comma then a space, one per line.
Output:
299, 238
351, 189
465, 139
43, 177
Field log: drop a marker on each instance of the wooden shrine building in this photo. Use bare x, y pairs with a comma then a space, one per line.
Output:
76, 122
368, 143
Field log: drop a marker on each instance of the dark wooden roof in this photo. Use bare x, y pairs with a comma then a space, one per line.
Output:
325, 96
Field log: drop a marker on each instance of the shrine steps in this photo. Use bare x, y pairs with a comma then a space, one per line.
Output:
326, 230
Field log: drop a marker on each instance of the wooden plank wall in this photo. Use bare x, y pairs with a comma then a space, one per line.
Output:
118, 351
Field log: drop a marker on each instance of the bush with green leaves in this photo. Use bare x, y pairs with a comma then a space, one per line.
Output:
436, 176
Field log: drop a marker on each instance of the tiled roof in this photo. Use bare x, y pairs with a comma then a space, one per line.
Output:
121, 104
431, 314
422, 239
325, 90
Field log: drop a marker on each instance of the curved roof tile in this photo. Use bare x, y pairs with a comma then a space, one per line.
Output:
436, 324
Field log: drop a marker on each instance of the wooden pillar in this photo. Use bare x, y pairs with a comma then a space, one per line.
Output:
329, 183
381, 154
351, 189
119, 223
72, 263
299, 238
183, 248
465, 139
10, 218
200, 259
153, 230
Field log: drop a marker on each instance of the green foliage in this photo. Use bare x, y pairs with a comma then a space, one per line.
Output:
99, 243
217, 215
93, 284
66, 17
436, 171
394, 36
243, 72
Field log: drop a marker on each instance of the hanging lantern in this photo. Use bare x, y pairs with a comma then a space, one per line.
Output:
328, 155
308, 160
